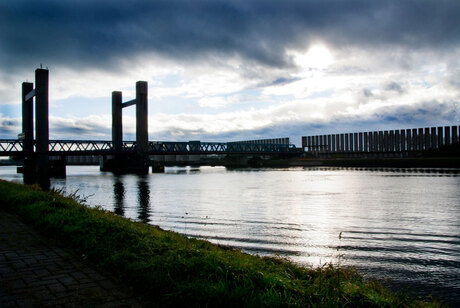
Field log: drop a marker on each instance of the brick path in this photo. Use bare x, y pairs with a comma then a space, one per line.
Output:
36, 273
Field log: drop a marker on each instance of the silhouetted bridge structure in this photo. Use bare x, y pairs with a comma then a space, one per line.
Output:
42, 156
47, 157
15, 147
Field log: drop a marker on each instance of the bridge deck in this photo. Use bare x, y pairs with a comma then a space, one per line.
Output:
14, 147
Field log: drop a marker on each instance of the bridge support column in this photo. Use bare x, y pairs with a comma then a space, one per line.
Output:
117, 122
158, 164
37, 165
41, 121
142, 135
28, 128
139, 161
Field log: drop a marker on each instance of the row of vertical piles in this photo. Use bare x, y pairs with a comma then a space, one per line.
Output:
387, 141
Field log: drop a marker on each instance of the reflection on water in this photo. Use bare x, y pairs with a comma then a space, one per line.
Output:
143, 199
119, 195
400, 225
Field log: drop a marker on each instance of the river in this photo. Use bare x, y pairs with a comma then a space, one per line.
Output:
401, 226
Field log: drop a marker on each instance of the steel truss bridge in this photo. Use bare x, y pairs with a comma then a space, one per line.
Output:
14, 147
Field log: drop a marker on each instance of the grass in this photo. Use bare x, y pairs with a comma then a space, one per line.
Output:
167, 269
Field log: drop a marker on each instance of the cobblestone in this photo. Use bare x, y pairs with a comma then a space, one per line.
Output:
34, 273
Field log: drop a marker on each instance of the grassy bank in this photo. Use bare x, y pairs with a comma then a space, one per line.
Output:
168, 269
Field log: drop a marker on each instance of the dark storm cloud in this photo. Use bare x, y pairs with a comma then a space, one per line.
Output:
93, 32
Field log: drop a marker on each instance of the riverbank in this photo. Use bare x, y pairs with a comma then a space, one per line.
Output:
37, 272
167, 269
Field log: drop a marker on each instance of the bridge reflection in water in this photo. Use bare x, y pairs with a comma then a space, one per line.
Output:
143, 197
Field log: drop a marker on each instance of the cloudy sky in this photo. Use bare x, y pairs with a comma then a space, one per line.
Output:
235, 69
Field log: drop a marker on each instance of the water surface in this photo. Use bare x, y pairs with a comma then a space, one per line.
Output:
398, 225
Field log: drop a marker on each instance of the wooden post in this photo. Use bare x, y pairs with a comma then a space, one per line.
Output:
421, 139
386, 141
355, 142
366, 142
454, 134
333, 144
434, 139
316, 144
347, 143
370, 136
336, 142
342, 143
447, 135
412, 141
403, 141
440, 137
391, 141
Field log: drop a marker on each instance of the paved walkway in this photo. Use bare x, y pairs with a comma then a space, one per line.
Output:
34, 273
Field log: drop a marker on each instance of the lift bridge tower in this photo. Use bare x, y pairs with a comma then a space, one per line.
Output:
37, 159
137, 162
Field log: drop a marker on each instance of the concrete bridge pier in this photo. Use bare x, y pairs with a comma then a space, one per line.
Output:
158, 164
236, 161
42, 122
37, 164
139, 161
28, 129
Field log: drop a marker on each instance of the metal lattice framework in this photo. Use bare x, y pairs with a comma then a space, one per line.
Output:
14, 147
10, 146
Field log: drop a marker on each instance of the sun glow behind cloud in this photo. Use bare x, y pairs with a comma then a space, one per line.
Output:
317, 57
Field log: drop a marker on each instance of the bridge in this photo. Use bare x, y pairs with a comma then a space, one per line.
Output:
42, 156
15, 147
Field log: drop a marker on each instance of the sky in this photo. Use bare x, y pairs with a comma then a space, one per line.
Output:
235, 69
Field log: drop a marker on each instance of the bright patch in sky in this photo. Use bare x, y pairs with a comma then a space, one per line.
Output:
317, 57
